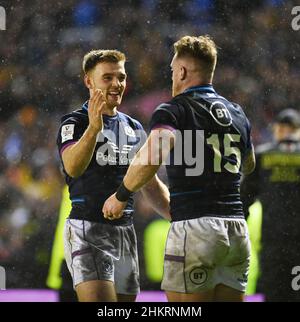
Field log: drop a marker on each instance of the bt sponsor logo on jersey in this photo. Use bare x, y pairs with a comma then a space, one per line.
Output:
220, 113
296, 280
2, 18
296, 20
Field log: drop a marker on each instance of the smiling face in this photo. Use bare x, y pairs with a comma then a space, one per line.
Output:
110, 77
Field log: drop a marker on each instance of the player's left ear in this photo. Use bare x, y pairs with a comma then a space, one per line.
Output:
183, 72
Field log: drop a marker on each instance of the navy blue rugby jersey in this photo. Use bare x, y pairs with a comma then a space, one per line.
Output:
204, 169
120, 139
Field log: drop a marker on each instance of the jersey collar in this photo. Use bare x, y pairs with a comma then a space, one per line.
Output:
85, 105
201, 88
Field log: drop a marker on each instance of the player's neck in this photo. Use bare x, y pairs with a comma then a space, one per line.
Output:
195, 84
110, 111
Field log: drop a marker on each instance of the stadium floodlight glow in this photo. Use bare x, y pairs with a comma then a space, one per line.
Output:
2, 18
296, 20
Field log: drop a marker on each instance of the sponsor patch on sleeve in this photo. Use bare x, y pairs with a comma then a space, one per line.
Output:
67, 132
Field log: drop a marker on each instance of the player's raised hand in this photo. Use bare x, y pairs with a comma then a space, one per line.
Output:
96, 105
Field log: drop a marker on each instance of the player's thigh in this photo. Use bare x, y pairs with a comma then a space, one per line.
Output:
233, 273
126, 274
90, 266
205, 296
224, 293
238, 236
96, 291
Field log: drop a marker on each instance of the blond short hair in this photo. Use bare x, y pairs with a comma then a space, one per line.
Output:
203, 49
92, 58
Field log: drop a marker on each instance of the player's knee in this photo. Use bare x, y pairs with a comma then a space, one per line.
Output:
96, 291
227, 293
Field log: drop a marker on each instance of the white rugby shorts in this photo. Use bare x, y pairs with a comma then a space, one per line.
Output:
204, 252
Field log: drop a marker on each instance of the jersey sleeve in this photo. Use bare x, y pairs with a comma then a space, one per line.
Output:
166, 115
250, 187
70, 131
141, 133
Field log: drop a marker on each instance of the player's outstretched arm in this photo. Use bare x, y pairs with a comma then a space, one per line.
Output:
141, 170
249, 162
148, 160
250, 187
77, 156
158, 195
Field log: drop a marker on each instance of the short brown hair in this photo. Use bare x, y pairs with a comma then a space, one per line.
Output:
92, 58
201, 48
